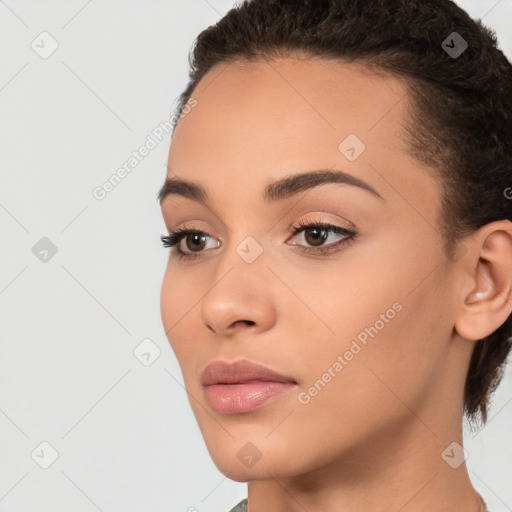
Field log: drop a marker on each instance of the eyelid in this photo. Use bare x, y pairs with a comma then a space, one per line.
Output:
320, 218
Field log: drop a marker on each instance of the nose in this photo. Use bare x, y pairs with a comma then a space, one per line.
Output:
240, 299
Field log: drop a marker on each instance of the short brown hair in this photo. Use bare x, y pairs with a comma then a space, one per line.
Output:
461, 123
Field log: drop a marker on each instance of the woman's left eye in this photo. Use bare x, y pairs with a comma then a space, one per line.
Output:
315, 234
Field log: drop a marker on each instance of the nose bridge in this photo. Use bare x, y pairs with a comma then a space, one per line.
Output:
239, 293
242, 263
244, 246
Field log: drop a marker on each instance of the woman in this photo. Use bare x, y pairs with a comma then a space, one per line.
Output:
338, 290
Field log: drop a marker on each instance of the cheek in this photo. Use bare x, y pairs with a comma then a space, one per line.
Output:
167, 300
351, 390
176, 307
337, 299
369, 310
181, 294
181, 291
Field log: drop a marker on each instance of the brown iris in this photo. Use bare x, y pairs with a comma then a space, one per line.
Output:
198, 241
319, 235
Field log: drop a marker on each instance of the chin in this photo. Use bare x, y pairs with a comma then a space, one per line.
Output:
242, 461
233, 469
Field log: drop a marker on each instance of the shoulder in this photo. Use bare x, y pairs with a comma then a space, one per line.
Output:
240, 507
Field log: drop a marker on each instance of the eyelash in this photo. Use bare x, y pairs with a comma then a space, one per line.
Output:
175, 237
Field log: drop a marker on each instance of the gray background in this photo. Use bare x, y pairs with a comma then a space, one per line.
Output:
124, 432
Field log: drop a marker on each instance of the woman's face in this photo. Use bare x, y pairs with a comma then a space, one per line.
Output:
366, 329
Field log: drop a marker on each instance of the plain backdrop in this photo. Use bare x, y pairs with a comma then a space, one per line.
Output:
93, 414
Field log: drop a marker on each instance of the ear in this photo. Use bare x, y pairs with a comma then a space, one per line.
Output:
486, 301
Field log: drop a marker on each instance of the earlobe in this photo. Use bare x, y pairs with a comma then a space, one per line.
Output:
489, 303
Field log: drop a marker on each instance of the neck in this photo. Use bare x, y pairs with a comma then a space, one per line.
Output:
403, 471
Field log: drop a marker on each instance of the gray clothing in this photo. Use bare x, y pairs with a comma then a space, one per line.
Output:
242, 506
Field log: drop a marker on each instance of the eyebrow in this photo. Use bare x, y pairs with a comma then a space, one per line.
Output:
275, 191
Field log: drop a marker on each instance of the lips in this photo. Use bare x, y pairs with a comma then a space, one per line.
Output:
242, 371
242, 386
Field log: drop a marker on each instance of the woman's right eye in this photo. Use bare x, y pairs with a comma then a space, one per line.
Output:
192, 237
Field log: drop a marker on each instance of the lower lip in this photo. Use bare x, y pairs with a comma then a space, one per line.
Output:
238, 398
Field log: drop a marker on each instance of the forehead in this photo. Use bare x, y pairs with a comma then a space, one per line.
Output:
256, 121
309, 96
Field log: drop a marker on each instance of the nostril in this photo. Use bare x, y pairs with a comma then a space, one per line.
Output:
248, 322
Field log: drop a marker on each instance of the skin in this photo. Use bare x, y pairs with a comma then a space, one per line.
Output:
372, 438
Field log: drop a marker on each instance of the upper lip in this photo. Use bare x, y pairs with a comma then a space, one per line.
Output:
221, 372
